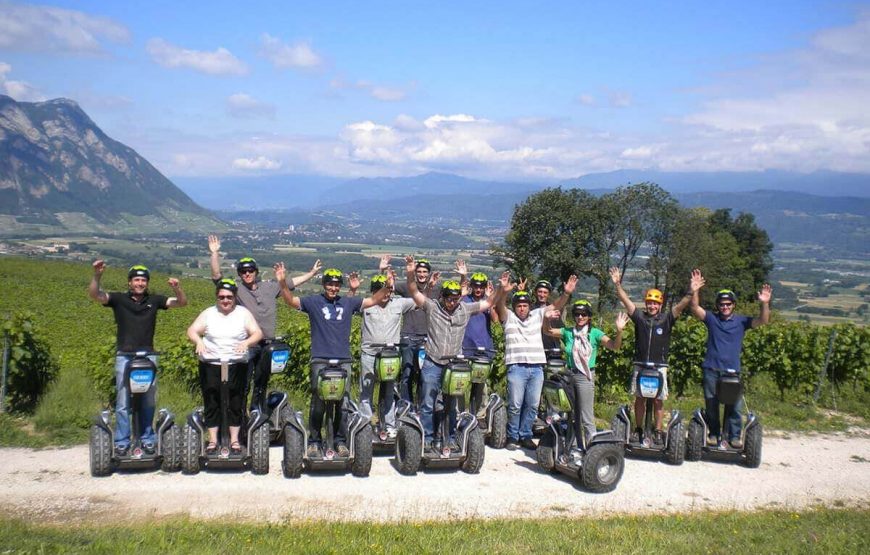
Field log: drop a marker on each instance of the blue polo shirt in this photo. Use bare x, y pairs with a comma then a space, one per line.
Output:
330, 324
724, 340
478, 333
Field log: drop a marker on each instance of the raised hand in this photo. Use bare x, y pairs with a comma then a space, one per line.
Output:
697, 281
571, 284
280, 271
490, 289
522, 284
410, 264
391, 279
765, 294
621, 320
384, 262
615, 275
353, 281
553, 314
316, 267
461, 267
505, 282
99, 267
173, 283
433, 279
214, 244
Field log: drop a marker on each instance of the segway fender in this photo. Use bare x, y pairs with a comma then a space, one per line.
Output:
493, 404
195, 419
165, 419
274, 403
257, 419
102, 420
403, 407
465, 423
676, 418
604, 436
751, 420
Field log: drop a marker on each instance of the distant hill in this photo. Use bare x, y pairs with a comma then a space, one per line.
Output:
60, 172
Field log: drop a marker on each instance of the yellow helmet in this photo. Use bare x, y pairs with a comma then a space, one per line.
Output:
655, 296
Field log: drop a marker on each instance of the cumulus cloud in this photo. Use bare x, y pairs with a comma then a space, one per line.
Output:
218, 62
241, 105
19, 90
282, 55
259, 163
49, 29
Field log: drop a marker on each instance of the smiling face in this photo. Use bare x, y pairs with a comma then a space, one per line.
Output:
331, 289
653, 308
726, 308
477, 291
248, 275
542, 294
581, 318
422, 274
138, 285
450, 302
226, 300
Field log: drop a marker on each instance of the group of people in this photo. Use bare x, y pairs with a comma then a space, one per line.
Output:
442, 318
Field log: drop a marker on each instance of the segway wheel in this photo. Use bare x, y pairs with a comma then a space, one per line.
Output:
619, 428
191, 448
172, 447
498, 433
694, 441
294, 452
259, 448
277, 436
602, 467
409, 450
474, 456
545, 453
100, 445
675, 452
362, 452
752, 449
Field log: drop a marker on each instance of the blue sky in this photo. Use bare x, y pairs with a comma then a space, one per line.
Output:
507, 90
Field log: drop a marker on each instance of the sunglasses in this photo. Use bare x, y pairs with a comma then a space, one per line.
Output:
726, 304
248, 271
225, 297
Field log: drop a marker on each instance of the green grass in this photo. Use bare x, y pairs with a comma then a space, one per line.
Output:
814, 531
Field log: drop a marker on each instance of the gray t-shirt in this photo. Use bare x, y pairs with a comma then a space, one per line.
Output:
415, 322
261, 303
381, 324
447, 330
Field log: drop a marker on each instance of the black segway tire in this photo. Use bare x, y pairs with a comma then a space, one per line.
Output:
474, 454
545, 453
409, 450
191, 448
172, 446
618, 426
602, 468
100, 447
285, 416
694, 441
752, 448
294, 452
498, 433
675, 452
362, 452
259, 446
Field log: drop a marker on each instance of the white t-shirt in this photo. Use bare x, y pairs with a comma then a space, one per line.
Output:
224, 331
522, 338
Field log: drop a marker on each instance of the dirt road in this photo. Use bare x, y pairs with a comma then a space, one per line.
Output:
797, 471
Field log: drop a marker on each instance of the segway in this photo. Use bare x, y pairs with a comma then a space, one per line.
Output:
597, 461
331, 384
555, 365
140, 374
649, 384
253, 436
468, 450
729, 391
492, 417
273, 359
388, 366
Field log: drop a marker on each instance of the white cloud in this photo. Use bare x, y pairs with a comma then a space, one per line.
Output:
241, 105
50, 29
383, 93
218, 62
619, 99
19, 90
256, 164
586, 100
283, 55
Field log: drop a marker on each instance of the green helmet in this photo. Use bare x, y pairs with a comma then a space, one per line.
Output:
521, 296
378, 283
246, 263
726, 295
228, 284
332, 275
478, 278
450, 287
138, 271
581, 307
423, 263
545, 284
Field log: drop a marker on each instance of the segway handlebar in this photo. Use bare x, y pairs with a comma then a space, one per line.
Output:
645, 364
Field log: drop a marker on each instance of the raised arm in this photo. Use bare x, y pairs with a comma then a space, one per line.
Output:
94, 290
286, 293
413, 292
381, 294
547, 323
615, 343
490, 294
179, 299
495, 300
695, 284
296, 281
567, 291
353, 283
462, 270
695, 303
764, 298
384, 263
616, 277
500, 302
214, 248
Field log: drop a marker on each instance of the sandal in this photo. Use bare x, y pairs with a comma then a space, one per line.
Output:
211, 448
236, 448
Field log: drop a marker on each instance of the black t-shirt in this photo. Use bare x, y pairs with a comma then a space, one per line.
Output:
135, 320
652, 336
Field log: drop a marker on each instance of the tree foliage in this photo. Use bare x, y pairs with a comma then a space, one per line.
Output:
30, 364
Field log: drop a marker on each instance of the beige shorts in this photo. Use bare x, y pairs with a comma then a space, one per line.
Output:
663, 395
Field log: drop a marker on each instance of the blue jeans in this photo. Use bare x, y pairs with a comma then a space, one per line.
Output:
524, 383
409, 347
430, 377
122, 410
733, 413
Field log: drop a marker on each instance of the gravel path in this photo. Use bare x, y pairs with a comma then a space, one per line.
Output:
797, 471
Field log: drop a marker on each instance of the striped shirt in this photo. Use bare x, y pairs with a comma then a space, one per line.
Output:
522, 338
446, 330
